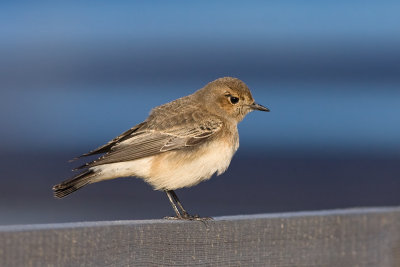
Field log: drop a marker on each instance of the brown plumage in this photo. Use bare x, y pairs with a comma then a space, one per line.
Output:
180, 144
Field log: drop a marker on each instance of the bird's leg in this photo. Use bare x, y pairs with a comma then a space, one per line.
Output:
168, 192
184, 212
183, 215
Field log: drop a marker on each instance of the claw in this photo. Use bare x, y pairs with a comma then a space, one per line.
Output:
188, 217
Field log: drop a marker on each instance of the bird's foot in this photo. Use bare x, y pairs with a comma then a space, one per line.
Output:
189, 217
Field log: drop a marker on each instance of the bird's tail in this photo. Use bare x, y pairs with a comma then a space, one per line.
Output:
71, 185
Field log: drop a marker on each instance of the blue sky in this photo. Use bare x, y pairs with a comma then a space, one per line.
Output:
76, 74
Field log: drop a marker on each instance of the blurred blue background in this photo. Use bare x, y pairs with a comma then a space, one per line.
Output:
74, 75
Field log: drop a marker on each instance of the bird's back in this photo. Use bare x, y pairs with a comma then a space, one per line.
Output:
174, 113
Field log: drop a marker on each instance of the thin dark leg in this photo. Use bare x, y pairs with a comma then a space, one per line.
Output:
184, 212
170, 196
173, 198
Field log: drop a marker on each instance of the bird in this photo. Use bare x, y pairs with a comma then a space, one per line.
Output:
180, 144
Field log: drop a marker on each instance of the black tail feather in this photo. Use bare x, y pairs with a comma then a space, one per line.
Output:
71, 185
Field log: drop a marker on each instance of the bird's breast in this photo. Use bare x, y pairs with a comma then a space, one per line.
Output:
185, 168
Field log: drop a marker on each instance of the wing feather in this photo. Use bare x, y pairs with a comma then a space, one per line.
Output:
105, 148
145, 143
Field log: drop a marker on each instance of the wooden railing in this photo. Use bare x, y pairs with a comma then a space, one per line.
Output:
351, 237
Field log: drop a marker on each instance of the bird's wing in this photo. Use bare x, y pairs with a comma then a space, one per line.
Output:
149, 142
106, 148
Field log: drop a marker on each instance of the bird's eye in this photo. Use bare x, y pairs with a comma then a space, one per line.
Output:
234, 100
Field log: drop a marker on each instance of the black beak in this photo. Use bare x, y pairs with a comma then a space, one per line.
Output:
256, 106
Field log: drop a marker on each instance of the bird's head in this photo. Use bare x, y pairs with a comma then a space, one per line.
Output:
229, 97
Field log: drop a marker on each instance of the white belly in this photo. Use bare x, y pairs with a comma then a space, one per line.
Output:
174, 169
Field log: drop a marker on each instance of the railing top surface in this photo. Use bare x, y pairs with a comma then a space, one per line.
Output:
221, 219
348, 237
